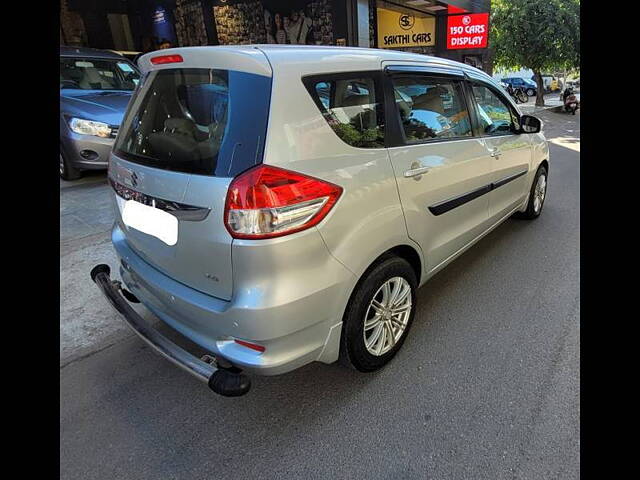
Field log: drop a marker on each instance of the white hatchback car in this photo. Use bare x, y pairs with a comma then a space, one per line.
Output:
279, 205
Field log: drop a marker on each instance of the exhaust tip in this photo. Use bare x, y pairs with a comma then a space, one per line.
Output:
229, 384
102, 268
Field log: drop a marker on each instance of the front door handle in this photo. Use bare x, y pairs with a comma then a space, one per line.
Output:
495, 152
416, 170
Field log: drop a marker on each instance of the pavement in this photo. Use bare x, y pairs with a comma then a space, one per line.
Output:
485, 387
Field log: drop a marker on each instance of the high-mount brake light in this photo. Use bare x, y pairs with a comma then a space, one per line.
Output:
163, 59
268, 202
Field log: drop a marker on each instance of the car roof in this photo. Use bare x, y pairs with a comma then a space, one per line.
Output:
325, 53
308, 59
66, 51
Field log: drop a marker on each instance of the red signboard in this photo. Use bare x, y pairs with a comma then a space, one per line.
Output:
467, 31
453, 9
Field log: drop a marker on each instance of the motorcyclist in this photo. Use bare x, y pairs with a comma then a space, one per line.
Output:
567, 91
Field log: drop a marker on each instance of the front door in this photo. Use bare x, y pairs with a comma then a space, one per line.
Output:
441, 168
509, 151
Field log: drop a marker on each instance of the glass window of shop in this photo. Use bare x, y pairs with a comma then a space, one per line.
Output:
293, 22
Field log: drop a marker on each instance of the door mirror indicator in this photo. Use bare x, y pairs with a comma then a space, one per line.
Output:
530, 124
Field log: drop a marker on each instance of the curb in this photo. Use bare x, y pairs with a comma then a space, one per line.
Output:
553, 108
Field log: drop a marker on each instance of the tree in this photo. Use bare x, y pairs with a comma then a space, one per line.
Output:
538, 35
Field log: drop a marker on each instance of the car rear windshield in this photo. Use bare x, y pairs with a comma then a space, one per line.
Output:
194, 120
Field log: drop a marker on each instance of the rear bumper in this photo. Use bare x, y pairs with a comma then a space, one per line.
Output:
300, 329
221, 380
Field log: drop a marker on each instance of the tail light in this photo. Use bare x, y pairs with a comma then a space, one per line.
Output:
268, 202
163, 59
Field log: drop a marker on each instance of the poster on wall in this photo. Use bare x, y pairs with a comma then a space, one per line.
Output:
162, 27
190, 28
401, 29
293, 22
467, 31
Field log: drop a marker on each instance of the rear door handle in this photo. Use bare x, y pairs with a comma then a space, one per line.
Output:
414, 172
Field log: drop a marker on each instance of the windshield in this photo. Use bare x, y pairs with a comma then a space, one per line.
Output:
196, 120
97, 74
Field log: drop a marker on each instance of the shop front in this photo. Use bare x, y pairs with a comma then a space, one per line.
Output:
457, 29
238, 22
298, 22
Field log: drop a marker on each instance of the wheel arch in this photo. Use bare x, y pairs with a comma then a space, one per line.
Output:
545, 163
404, 251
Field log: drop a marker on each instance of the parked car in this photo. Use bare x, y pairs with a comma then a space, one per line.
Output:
574, 83
550, 83
130, 55
276, 207
528, 86
95, 88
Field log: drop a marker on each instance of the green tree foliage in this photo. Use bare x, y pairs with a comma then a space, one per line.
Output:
542, 35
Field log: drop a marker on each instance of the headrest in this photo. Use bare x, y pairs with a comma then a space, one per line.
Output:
179, 125
92, 75
430, 101
353, 100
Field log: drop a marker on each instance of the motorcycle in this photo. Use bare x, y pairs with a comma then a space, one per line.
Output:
517, 94
571, 103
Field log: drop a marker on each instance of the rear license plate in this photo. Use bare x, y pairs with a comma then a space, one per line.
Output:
150, 220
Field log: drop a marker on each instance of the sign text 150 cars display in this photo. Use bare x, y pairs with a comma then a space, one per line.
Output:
467, 31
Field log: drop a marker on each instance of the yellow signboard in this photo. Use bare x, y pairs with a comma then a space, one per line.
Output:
398, 29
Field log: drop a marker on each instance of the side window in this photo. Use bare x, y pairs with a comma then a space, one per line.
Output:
352, 107
494, 115
431, 108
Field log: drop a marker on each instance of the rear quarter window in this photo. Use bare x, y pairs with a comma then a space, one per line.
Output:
352, 106
202, 121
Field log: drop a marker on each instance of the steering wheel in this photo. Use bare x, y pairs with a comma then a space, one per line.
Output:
72, 83
490, 128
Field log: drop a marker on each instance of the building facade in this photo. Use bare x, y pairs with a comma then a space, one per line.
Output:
458, 29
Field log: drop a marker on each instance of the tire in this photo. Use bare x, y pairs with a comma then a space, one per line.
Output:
394, 272
533, 211
522, 97
68, 171
530, 92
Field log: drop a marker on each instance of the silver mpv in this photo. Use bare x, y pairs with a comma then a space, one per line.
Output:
279, 205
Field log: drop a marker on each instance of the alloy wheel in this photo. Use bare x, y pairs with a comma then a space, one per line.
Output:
539, 193
387, 317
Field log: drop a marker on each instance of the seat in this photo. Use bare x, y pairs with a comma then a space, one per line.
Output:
354, 100
92, 80
430, 101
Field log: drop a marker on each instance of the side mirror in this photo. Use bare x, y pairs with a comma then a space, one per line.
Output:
530, 124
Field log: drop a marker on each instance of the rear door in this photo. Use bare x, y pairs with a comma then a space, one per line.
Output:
441, 168
509, 151
190, 128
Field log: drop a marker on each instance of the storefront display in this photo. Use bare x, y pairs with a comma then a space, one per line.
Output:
190, 27
288, 22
